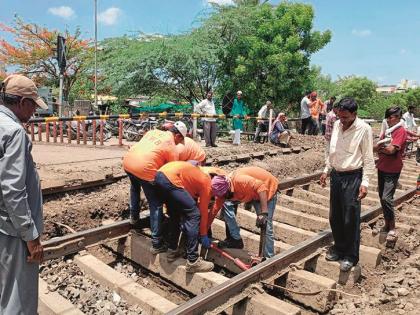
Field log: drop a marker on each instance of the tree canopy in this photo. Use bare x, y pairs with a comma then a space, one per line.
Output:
35, 51
260, 49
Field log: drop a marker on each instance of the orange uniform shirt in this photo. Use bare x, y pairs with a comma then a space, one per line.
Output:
191, 150
316, 108
155, 149
197, 183
246, 184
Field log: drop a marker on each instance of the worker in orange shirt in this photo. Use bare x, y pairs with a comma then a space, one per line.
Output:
191, 151
316, 107
180, 184
246, 184
141, 163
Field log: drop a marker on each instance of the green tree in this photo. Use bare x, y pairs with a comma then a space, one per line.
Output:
34, 53
361, 89
265, 50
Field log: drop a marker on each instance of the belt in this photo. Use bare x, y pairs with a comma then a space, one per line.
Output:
359, 170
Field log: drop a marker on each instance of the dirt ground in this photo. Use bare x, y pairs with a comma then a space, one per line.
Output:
394, 286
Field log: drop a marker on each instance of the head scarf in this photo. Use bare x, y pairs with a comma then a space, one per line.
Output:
219, 186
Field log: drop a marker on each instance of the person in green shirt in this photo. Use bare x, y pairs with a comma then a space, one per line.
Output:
238, 109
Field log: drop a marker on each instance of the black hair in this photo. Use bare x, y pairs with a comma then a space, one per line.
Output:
308, 93
333, 98
174, 130
393, 110
347, 103
411, 107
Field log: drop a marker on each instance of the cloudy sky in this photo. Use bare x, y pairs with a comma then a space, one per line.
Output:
374, 38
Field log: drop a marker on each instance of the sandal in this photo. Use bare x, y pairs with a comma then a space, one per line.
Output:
392, 236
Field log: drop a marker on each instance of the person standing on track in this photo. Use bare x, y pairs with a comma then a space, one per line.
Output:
155, 149
351, 163
389, 165
206, 107
180, 184
21, 221
246, 184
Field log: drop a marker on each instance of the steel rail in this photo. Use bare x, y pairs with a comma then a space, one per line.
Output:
72, 243
216, 296
83, 185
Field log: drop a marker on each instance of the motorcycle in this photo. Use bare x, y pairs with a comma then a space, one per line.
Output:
133, 129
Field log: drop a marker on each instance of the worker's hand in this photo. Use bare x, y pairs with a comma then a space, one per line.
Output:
205, 241
261, 220
36, 251
362, 192
323, 179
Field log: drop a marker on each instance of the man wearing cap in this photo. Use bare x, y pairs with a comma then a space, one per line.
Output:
186, 190
206, 107
21, 222
141, 163
238, 110
264, 115
246, 184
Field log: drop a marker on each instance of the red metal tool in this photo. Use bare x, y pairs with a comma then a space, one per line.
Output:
236, 261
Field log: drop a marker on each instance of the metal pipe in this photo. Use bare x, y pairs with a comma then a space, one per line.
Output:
55, 131
94, 132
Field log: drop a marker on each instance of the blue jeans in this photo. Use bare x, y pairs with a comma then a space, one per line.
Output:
155, 206
183, 212
269, 233
135, 189
234, 230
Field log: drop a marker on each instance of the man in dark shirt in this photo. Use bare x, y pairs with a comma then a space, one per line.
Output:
389, 167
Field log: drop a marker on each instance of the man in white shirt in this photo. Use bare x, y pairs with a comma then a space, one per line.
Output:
410, 123
262, 125
206, 107
351, 163
305, 113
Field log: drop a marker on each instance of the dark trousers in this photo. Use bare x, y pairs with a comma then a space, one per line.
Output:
135, 189
261, 127
183, 214
210, 132
345, 214
387, 184
310, 124
155, 206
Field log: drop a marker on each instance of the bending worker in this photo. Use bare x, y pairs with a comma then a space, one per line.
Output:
141, 163
180, 184
246, 184
191, 151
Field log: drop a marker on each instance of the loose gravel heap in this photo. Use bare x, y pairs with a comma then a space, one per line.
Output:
81, 290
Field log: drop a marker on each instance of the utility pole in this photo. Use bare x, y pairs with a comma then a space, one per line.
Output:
62, 63
96, 52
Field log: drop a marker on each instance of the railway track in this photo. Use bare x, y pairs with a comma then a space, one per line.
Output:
80, 184
301, 230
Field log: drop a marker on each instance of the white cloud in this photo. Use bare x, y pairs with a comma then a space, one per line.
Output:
219, 2
63, 11
361, 33
110, 16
